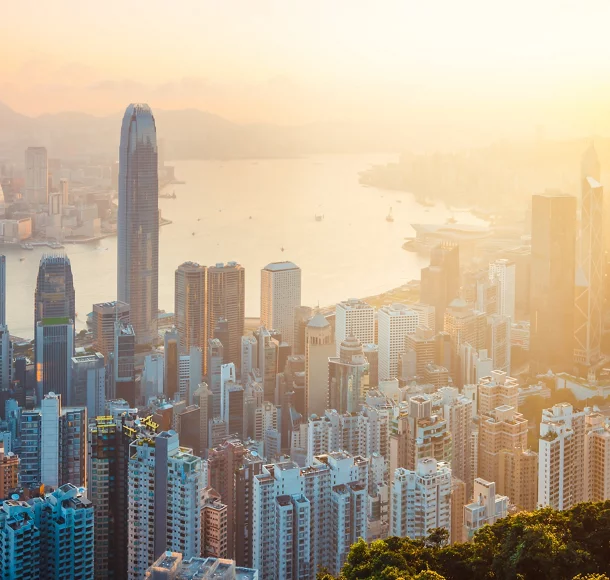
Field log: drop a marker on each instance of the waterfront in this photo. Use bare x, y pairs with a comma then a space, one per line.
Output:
247, 211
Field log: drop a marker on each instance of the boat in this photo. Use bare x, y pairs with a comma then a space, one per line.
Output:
171, 195
282, 248
193, 233
27, 246
451, 220
21, 259
319, 217
389, 217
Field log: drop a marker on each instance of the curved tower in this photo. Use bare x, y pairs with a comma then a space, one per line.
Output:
54, 297
138, 221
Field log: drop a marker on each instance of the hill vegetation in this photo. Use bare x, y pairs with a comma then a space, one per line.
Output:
545, 544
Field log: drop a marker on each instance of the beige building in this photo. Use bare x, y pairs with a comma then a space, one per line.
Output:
497, 390
319, 347
597, 458
213, 525
105, 314
458, 500
190, 306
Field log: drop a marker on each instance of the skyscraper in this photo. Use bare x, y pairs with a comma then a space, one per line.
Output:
354, 318
105, 314
124, 363
319, 347
170, 341
395, 322
589, 300
348, 377
54, 296
190, 303
36, 175
552, 282
138, 221
54, 346
2, 290
505, 271
280, 295
226, 296
88, 387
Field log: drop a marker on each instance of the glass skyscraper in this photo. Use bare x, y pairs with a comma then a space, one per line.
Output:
54, 289
138, 221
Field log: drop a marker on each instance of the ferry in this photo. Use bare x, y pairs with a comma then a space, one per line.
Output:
27, 246
319, 217
389, 217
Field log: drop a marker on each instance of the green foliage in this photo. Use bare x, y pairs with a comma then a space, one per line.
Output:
541, 545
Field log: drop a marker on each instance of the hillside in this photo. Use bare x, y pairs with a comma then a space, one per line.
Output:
542, 545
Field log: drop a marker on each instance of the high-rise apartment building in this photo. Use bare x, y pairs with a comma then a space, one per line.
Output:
496, 390
395, 322
138, 221
54, 349
597, 458
428, 434
421, 499
307, 518
54, 296
440, 281
249, 355
354, 317
420, 351
190, 305
464, 325
561, 456
302, 315
486, 509
226, 299
280, 295
105, 314
499, 341
348, 377
552, 282
9, 472
171, 566
504, 271
319, 347
36, 175
165, 485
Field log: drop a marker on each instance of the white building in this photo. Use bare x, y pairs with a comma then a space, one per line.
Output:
165, 489
427, 315
487, 507
503, 270
421, 499
306, 518
249, 355
280, 295
354, 317
394, 323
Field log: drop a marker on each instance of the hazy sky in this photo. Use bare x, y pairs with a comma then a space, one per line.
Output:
290, 61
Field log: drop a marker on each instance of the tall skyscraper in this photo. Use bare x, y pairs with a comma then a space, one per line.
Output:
124, 363
190, 305
354, 318
226, 299
589, 300
319, 347
138, 221
440, 281
2, 290
36, 175
54, 349
171, 349
552, 282
504, 271
348, 377
105, 314
395, 322
54, 297
6, 358
88, 388
280, 295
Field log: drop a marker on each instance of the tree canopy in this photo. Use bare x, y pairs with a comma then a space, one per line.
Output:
540, 545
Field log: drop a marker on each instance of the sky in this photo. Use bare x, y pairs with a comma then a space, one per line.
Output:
506, 64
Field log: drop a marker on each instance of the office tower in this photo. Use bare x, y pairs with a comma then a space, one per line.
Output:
428, 435
188, 425
214, 525
561, 453
124, 363
6, 359
552, 282
9, 471
308, 518
426, 314
2, 290
64, 190
171, 351
394, 323
138, 221
233, 408
105, 314
195, 376
597, 458
221, 332
302, 315
348, 377
190, 304
249, 355
486, 509
36, 175
501, 431
421, 499
153, 376
54, 348
496, 390
465, 325
226, 291
499, 342
165, 485
204, 399
589, 300
504, 271
354, 317
319, 347
267, 350
420, 348
280, 295
88, 383
54, 297
171, 566
215, 361
440, 281
457, 411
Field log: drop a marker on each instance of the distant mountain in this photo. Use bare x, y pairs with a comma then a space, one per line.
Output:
188, 134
